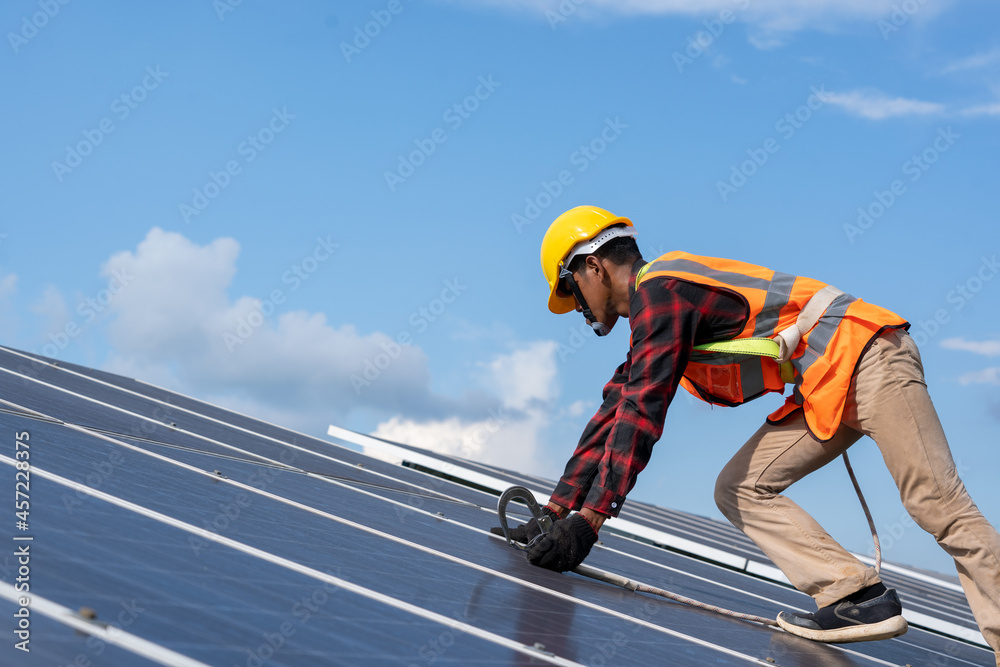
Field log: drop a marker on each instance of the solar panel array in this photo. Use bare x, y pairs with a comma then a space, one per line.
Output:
164, 530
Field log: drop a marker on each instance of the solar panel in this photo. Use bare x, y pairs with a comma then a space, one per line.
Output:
169, 531
926, 595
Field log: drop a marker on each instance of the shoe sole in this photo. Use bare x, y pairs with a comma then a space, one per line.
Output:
890, 627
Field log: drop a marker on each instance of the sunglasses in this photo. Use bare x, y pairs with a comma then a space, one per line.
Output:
563, 289
567, 287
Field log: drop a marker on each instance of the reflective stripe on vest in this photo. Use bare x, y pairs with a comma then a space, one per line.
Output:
823, 360
777, 293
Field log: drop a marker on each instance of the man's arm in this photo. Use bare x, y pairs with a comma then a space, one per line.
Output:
611, 454
582, 467
663, 331
664, 327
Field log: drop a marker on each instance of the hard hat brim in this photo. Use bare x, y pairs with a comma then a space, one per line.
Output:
561, 305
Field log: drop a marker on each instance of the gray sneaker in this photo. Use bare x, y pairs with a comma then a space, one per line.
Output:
872, 613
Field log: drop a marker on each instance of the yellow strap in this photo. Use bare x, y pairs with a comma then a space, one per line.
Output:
641, 273
755, 345
760, 347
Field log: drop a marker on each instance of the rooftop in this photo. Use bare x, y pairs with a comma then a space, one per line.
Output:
164, 530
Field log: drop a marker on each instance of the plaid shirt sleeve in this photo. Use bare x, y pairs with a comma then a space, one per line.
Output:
618, 441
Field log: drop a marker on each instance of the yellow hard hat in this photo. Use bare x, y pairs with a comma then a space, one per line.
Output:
575, 232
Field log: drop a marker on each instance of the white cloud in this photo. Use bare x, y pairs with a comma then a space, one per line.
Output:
766, 40
51, 307
499, 439
983, 110
175, 299
773, 15
986, 348
973, 62
985, 376
8, 286
173, 323
8, 315
526, 376
720, 61
989, 348
509, 437
878, 106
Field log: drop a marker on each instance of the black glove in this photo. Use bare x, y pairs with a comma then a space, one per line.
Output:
565, 546
528, 531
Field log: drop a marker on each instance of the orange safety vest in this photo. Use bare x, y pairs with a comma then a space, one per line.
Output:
822, 364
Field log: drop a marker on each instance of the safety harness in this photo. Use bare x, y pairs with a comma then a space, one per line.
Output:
731, 372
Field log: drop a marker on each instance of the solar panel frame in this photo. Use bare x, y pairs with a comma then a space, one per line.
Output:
170, 501
386, 506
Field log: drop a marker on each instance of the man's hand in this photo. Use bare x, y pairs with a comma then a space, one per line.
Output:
565, 546
529, 531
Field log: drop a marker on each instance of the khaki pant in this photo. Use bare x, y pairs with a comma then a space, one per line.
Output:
888, 401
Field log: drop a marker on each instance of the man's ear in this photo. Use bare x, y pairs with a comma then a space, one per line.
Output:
594, 265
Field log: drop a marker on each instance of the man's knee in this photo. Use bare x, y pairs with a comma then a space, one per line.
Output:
725, 492
946, 521
733, 486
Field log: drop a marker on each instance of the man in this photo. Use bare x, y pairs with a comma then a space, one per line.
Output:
854, 369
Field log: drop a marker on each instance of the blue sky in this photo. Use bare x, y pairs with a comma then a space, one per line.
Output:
322, 212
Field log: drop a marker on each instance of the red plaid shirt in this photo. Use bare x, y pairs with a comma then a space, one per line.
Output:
668, 318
